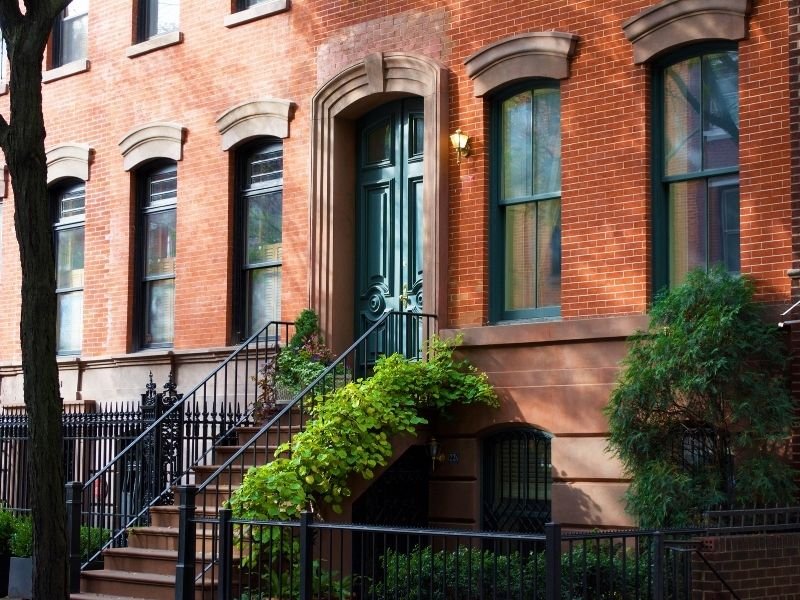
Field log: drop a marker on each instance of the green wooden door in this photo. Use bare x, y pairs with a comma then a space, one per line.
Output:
389, 212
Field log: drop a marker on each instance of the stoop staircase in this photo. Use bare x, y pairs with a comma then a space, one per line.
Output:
140, 560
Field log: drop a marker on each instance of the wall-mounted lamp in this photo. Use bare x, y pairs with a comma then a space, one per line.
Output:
460, 141
435, 452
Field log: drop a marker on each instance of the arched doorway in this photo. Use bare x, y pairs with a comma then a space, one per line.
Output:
337, 112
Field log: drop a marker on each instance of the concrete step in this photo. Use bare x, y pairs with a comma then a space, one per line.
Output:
254, 455
231, 476
146, 586
275, 435
91, 596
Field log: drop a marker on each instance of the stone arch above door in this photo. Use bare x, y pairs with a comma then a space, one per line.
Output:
378, 78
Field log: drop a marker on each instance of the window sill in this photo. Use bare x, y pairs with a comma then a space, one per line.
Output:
154, 43
67, 70
3, 87
259, 11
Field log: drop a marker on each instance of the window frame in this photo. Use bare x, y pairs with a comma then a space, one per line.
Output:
57, 58
242, 157
497, 309
661, 234
147, 21
143, 177
57, 192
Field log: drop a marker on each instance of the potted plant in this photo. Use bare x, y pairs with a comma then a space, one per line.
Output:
7, 521
20, 574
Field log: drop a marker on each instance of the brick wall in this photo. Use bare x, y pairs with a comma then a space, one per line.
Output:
754, 566
605, 139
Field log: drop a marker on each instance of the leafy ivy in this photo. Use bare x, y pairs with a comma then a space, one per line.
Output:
702, 408
350, 429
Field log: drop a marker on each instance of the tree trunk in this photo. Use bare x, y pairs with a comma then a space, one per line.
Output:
23, 143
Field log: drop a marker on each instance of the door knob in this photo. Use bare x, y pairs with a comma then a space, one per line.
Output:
404, 297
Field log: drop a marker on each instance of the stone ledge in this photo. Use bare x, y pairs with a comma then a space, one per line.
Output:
259, 11
154, 43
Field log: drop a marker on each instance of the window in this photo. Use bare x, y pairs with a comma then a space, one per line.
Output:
245, 4
696, 212
260, 207
158, 200
517, 481
70, 33
526, 236
69, 209
3, 68
157, 17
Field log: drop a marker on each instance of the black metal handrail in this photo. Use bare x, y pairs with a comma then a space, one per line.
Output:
402, 332
179, 438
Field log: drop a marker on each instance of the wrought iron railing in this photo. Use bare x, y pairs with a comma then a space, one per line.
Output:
91, 437
304, 560
182, 433
393, 332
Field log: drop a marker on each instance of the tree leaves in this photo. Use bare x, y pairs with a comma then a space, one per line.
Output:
708, 362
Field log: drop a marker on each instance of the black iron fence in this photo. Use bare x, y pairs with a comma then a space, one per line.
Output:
222, 558
181, 433
91, 440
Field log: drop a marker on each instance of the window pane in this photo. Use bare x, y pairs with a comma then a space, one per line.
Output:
263, 297
682, 122
723, 210
265, 167
72, 203
520, 256
721, 110
549, 260
162, 187
77, 7
517, 128
73, 39
264, 228
688, 223
69, 252
159, 311
547, 141
167, 16
160, 243
69, 323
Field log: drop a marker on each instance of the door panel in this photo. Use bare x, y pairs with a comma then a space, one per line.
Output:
389, 212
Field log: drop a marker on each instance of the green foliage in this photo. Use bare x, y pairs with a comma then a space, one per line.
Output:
285, 584
350, 429
7, 522
707, 363
305, 326
592, 571
22, 538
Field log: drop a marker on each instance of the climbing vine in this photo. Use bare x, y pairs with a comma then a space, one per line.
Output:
349, 432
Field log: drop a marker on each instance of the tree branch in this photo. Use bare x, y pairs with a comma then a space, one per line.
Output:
10, 15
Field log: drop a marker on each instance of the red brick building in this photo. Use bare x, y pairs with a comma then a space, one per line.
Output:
214, 165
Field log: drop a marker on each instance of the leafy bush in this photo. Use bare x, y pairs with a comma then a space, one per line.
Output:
7, 522
92, 539
702, 407
350, 429
592, 571
22, 538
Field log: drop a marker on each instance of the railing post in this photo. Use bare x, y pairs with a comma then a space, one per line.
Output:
658, 566
306, 554
225, 554
552, 561
184, 570
74, 489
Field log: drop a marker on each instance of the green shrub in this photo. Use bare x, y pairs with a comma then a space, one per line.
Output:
596, 570
92, 539
7, 522
22, 538
350, 429
702, 409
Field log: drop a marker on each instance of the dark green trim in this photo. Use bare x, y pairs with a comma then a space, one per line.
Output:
660, 181
497, 311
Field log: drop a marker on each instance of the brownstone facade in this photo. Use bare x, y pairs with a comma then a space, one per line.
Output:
310, 71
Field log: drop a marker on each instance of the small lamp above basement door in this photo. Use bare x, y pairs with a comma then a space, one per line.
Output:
460, 142
435, 452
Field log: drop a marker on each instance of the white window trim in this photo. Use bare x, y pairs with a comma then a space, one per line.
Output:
154, 43
67, 70
259, 11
